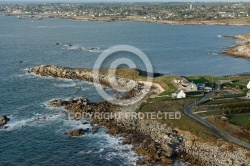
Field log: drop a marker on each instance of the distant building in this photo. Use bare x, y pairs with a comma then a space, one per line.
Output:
191, 6
191, 87
248, 94
185, 84
248, 85
178, 94
208, 89
179, 80
201, 86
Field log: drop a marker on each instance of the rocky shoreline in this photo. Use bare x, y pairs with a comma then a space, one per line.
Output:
241, 50
159, 143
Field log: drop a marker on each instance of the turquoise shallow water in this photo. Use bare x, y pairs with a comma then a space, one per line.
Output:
179, 50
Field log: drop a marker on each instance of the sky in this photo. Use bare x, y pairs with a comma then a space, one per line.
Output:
69, 1
79, 1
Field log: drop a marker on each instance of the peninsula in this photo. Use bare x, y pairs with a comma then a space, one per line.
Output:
242, 49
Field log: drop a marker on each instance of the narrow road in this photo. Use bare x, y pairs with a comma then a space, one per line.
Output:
188, 112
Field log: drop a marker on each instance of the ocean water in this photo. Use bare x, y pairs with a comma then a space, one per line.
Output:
25, 43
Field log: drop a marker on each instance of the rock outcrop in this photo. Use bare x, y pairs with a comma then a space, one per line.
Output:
78, 132
4, 120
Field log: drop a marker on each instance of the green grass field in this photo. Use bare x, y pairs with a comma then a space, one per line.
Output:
210, 113
168, 80
185, 123
205, 79
239, 119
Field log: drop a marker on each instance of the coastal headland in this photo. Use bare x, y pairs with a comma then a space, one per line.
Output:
240, 50
159, 141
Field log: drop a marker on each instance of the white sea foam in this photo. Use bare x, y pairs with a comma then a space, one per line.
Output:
16, 123
37, 119
74, 124
115, 143
46, 105
85, 152
71, 82
91, 151
33, 75
110, 145
25, 73
25, 69
37, 114
74, 47
65, 85
63, 79
94, 50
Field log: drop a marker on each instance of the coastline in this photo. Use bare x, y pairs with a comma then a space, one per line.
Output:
159, 144
139, 132
241, 50
221, 22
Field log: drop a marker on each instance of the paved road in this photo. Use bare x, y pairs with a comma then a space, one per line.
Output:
188, 112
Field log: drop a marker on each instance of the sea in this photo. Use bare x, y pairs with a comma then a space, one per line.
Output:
35, 134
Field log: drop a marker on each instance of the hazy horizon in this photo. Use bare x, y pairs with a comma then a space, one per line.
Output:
71, 1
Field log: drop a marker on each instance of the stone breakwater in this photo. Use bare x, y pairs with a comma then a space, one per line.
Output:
158, 143
135, 88
83, 74
241, 50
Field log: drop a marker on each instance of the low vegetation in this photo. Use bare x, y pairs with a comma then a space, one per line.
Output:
236, 107
234, 130
185, 123
205, 79
240, 120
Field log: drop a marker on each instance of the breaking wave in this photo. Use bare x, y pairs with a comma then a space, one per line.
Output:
65, 85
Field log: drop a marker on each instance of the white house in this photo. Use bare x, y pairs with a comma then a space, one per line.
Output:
248, 94
178, 80
248, 85
184, 84
191, 87
178, 94
208, 89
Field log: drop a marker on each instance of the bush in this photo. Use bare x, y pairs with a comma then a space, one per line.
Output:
236, 108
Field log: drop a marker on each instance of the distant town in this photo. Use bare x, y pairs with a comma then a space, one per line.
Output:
173, 11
